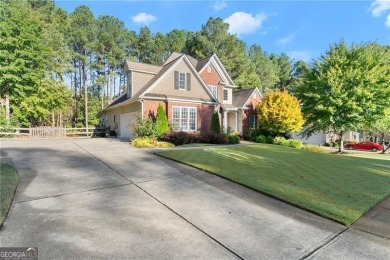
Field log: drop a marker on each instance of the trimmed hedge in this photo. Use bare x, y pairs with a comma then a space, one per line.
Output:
146, 142
180, 138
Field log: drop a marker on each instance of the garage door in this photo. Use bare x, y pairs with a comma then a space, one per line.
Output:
126, 121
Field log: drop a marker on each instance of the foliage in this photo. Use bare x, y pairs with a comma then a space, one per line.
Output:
269, 139
335, 187
346, 89
147, 142
279, 112
215, 126
8, 183
279, 140
145, 128
232, 138
313, 148
181, 137
161, 120
261, 139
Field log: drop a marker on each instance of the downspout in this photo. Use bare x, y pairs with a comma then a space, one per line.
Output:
142, 108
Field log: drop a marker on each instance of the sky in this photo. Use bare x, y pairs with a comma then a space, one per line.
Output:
304, 29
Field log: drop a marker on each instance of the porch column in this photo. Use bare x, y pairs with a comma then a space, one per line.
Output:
225, 121
236, 121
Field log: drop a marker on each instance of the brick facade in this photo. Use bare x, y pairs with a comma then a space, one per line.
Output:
204, 111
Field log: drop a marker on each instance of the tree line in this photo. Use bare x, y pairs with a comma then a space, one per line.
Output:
64, 67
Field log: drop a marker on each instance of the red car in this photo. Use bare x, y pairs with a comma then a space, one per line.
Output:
364, 146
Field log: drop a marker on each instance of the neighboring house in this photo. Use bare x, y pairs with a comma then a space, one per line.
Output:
320, 138
190, 91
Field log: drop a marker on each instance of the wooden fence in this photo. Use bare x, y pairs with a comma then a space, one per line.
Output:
47, 132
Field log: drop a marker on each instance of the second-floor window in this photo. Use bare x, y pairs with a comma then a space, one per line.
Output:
225, 95
182, 81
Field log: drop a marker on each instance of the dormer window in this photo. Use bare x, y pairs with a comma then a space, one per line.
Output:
182, 81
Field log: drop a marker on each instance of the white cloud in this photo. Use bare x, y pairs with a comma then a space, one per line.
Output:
300, 55
378, 7
286, 40
244, 23
219, 5
144, 18
387, 23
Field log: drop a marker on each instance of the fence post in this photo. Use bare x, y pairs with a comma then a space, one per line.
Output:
30, 132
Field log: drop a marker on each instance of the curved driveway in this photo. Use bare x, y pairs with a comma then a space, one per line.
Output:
101, 198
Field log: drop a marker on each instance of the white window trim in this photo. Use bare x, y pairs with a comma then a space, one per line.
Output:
188, 118
227, 95
216, 90
185, 81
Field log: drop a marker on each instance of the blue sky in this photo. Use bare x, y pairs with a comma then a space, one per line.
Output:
302, 29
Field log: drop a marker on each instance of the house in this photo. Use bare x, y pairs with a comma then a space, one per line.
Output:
190, 90
319, 138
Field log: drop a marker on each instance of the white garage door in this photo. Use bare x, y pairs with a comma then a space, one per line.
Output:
126, 121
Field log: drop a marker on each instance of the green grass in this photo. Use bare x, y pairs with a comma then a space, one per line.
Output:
341, 188
196, 145
8, 182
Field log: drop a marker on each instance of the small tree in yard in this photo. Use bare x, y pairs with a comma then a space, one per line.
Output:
161, 120
215, 127
279, 112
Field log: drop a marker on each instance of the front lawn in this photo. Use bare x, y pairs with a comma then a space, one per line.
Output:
8, 182
338, 187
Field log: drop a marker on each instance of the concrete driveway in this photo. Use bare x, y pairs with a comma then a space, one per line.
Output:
101, 198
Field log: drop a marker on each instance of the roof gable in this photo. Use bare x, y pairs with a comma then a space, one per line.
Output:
215, 61
241, 98
169, 68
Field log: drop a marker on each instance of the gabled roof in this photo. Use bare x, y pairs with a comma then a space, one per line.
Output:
166, 68
172, 57
240, 98
134, 65
120, 99
213, 59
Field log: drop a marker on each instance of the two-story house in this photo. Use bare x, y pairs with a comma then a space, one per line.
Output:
190, 90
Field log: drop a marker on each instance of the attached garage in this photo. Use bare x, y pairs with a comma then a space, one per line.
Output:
126, 121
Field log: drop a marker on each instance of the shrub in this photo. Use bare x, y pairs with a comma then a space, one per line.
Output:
329, 144
178, 138
269, 139
279, 140
147, 142
232, 138
260, 139
295, 143
215, 126
144, 142
164, 145
252, 134
161, 121
313, 148
145, 128
212, 138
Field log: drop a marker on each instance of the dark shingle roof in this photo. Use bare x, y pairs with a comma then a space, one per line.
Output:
120, 99
240, 97
202, 63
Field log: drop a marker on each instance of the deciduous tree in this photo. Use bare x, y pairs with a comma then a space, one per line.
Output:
346, 89
279, 112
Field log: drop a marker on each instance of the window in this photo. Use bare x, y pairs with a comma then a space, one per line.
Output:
225, 94
182, 81
184, 118
253, 122
214, 91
